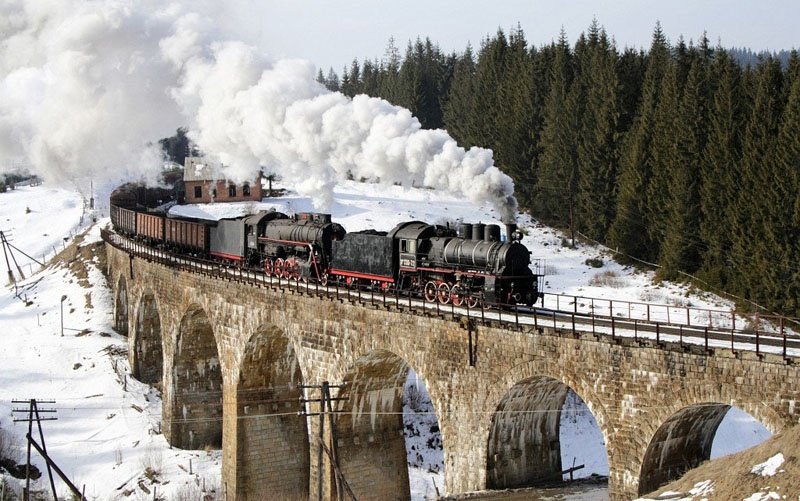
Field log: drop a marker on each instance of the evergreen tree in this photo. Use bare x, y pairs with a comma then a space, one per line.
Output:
332, 81
663, 161
596, 145
720, 167
390, 88
558, 174
629, 231
630, 73
752, 229
370, 78
351, 81
176, 147
682, 245
488, 77
515, 113
458, 110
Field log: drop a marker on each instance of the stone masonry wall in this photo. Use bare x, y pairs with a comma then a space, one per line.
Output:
631, 388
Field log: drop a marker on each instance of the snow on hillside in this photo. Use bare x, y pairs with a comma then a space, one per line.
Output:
107, 436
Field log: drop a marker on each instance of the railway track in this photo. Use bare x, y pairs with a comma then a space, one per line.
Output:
765, 338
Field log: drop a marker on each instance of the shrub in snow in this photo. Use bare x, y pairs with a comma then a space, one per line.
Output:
594, 262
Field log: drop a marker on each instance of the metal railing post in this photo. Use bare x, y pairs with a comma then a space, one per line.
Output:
783, 334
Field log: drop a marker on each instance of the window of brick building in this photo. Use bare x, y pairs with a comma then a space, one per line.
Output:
246, 190
232, 190
198, 191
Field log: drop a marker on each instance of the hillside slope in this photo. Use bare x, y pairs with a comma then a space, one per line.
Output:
770, 470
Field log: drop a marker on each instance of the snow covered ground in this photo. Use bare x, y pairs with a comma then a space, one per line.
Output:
108, 430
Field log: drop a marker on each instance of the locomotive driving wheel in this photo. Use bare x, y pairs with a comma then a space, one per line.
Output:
323, 279
430, 292
278, 267
443, 294
473, 300
268, 267
291, 269
457, 294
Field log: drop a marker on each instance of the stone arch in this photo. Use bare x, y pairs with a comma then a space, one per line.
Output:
121, 307
196, 397
272, 453
148, 346
681, 443
524, 445
370, 438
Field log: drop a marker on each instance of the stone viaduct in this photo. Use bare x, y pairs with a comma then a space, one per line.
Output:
230, 357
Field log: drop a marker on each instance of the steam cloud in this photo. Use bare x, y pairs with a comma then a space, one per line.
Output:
88, 84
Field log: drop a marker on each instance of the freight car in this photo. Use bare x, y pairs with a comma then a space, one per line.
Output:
150, 227
188, 237
123, 220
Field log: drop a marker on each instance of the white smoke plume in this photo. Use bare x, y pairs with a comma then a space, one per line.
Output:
87, 85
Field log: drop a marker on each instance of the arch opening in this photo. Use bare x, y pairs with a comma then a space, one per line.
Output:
272, 441
423, 438
372, 431
121, 308
539, 427
196, 420
148, 352
695, 434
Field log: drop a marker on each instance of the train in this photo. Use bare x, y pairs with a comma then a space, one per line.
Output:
470, 266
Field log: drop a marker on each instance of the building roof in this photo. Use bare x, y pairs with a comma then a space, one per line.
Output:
198, 169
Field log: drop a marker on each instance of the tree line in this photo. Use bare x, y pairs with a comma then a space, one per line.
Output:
678, 156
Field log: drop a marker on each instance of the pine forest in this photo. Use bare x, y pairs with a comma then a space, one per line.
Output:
684, 156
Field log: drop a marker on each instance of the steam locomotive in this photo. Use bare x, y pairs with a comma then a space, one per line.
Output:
467, 267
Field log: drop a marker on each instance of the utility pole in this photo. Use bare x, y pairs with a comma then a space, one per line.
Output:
325, 402
33, 414
8, 252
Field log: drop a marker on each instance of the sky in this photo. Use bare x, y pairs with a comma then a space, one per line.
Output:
332, 33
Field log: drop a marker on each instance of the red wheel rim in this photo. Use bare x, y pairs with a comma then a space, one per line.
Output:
443, 294
430, 291
456, 295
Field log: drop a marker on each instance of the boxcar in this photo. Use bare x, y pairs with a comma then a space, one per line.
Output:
123, 220
187, 235
150, 226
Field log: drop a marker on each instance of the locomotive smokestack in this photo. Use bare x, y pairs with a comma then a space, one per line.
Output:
511, 229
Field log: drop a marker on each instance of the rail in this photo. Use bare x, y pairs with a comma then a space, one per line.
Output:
612, 319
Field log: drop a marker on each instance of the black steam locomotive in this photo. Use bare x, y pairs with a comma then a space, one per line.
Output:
435, 262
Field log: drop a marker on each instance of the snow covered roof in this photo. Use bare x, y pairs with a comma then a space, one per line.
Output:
198, 169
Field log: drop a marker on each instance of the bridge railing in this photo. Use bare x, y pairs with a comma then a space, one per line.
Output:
574, 314
719, 319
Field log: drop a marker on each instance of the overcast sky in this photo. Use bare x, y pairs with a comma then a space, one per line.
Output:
332, 33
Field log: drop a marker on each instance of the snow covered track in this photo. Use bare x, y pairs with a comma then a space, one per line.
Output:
497, 379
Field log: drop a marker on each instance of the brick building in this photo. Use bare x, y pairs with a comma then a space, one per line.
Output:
202, 187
